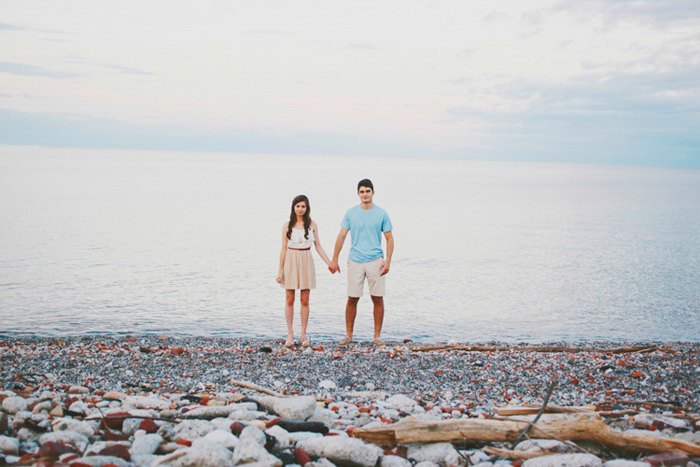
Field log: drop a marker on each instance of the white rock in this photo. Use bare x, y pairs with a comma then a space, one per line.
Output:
478, 457
99, 461
426, 464
9, 445
14, 404
327, 384
248, 451
564, 460
192, 429
282, 438
322, 462
535, 445
211, 412
246, 415
443, 454
253, 434
145, 445
344, 451
298, 408
394, 461
224, 438
77, 440
299, 436
145, 402
691, 437
222, 424
625, 463
70, 424
401, 403
145, 460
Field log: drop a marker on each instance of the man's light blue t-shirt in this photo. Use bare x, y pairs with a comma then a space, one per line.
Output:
366, 232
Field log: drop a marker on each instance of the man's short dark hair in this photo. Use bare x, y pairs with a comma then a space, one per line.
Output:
365, 182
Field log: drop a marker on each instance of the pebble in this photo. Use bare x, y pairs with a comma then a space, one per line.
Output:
53, 410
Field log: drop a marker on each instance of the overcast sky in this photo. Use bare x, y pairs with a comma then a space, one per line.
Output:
536, 80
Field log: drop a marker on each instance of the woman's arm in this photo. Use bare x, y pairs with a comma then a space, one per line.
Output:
283, 252
319, 248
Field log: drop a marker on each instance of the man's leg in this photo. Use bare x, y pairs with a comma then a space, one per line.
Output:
350, 314
378, 315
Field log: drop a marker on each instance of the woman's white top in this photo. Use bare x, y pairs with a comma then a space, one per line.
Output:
298, 241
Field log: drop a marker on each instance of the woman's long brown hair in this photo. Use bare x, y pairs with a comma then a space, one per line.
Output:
293, 216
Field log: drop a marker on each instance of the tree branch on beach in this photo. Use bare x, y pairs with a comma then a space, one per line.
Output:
571, 427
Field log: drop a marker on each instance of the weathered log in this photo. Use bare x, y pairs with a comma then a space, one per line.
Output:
468, 348
508, 454
572, 427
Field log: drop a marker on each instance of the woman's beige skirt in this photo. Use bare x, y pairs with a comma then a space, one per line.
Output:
299, 271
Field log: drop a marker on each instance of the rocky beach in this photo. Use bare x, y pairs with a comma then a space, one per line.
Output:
158, 400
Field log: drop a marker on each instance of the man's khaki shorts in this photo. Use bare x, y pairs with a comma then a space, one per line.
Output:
357, 272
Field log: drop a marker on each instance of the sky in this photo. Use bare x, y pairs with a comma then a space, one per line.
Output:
614, 81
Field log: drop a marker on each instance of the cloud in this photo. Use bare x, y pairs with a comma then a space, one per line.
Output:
22, 69
10, 27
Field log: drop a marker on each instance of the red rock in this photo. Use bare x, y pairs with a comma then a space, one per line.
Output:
99, 393
184, 442
364, 410
177, 350
517, 463
668, 459
301, 457
402, 451
205, 400
148, 425
236, 428
637, 374
112, 436
54, 449
80, 464
117, 450
114, 421
70, 402
272, 422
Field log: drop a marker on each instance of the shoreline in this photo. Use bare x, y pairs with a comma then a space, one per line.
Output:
471, 382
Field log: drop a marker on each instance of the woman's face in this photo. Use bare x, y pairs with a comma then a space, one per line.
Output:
300, 208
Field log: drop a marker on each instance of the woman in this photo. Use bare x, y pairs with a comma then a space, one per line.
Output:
297, 265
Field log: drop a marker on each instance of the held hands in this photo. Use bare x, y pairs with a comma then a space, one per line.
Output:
333, 267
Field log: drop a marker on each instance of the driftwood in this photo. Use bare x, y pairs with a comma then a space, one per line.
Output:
468, 348
255, 387
508, 454
572, 427
650, 404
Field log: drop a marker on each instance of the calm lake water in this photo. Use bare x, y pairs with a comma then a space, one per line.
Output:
174, 243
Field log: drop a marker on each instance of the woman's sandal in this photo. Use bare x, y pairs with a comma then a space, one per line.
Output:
305, 342
289, 343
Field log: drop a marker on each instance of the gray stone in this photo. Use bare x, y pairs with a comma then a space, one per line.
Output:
145, 445
646, 419
426, 464
3, 422
192, 429
99, 461
46, 405
625, 463
342, 451
298, 436
69, 424
245, 415
14, 404
394, 461
443, 454
298, 408
564, 460
9, 445
75, 439
224, 438
95, 448
25, 434
166, 431
145, 460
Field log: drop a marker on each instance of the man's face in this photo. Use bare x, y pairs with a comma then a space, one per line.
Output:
365, 193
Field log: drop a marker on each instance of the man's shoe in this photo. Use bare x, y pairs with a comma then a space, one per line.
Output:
378, 343
345, 342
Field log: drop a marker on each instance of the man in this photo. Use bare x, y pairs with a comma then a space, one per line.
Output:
365, 222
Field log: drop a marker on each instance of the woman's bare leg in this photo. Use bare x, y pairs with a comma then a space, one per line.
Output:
289, 315
304, 299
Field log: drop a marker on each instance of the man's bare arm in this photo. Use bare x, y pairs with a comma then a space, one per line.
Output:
333, 267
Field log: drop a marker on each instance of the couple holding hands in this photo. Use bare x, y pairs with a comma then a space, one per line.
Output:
366, 222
